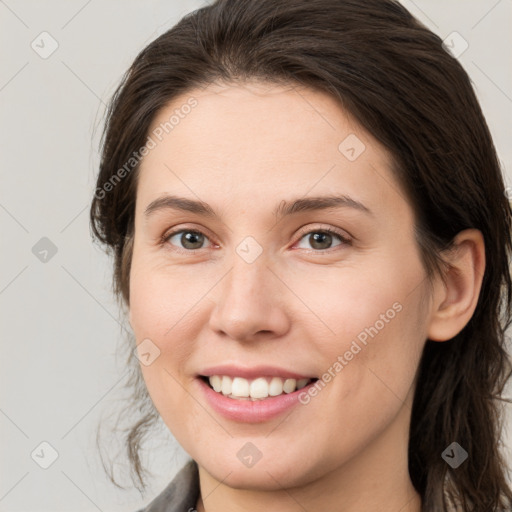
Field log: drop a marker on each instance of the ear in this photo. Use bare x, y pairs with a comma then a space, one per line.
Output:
455, 301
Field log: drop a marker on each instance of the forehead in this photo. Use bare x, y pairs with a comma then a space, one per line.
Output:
284, 119
263, 140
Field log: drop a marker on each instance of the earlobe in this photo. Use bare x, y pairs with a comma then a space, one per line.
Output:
455, 302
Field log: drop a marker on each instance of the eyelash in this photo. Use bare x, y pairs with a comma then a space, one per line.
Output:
343, 239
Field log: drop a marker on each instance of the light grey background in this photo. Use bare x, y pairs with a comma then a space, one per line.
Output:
59, 374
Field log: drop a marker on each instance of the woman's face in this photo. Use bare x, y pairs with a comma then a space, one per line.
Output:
241, 291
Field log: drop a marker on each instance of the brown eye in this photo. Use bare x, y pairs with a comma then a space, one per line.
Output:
189, 240
322, 239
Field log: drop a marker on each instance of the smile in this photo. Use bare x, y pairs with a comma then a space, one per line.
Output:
260, 388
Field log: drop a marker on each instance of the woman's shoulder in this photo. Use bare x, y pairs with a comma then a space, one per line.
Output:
181, 494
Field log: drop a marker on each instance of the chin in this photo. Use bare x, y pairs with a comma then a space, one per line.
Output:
255, 479
271, 474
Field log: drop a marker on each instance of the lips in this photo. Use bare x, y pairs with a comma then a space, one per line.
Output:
253, 372
252, 393
248, 410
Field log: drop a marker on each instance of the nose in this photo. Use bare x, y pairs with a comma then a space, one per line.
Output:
249, 302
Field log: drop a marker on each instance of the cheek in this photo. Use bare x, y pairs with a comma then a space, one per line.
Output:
373, 327
371, 371
161, 299
161, 310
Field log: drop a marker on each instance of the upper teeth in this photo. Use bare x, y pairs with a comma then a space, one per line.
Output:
262, 387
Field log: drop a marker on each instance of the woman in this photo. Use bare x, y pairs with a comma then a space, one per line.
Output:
311, 238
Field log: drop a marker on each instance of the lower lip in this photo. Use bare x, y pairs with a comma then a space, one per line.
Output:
250, 411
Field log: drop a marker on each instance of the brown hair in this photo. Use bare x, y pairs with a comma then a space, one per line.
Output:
395, 77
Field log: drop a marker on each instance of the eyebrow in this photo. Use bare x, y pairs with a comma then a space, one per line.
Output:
284, 209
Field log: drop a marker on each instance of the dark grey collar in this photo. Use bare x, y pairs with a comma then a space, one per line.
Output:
181, 494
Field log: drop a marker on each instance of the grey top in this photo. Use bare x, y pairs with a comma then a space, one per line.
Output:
181, 494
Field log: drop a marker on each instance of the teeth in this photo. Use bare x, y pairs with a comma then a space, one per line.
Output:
216, 382
289, 385
301, 383
226, 385
276, 386
257, 389
240, 387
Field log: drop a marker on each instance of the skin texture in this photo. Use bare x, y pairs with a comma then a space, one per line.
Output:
243, 149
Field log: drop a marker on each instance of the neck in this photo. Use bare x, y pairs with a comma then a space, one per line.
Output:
375, 479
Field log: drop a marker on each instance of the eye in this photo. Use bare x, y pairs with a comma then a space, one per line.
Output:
321, 239
190, 239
